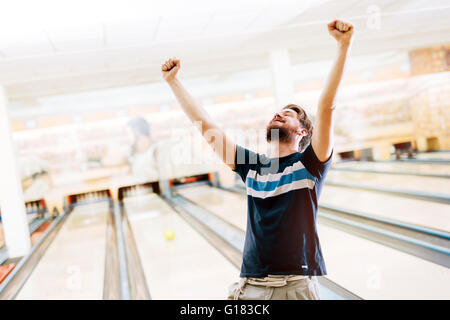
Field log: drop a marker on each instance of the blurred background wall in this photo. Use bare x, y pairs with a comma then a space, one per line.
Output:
74, 85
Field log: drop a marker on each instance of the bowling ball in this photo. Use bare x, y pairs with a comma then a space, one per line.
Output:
169, 234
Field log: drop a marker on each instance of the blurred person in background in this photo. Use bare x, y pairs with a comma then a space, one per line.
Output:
140, 153
282, 255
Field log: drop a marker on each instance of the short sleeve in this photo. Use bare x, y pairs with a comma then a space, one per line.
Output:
316, 167
244, 160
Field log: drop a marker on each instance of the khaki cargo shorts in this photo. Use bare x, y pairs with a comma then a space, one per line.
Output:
275, 287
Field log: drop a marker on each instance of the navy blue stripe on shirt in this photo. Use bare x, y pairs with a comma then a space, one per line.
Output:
284, 179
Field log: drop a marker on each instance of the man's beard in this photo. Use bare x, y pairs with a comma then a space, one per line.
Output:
280, 134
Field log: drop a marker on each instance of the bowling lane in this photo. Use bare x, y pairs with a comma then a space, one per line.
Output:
73, 266
404, 182
396, 167
233, 210
366, 268
424, 213
374, 271
187, 267
434, 155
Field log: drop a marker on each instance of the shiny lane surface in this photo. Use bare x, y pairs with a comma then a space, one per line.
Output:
73, 266
403, 182
397, 166
434, 155
187, 267
420, 212
366, 268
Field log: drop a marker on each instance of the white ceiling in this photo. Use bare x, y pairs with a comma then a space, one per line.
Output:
50, 47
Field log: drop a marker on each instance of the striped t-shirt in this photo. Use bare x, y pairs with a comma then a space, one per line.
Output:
282, 194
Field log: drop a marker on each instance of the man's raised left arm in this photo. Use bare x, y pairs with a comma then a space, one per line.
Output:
322, 138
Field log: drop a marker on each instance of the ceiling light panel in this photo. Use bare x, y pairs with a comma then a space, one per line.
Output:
280, 13
130, 33
32, 42
176, 28
22, 51
76, 38
231, 21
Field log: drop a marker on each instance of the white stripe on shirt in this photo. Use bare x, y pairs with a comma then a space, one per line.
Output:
294, 185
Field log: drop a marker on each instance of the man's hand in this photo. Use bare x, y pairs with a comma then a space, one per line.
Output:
341, 31
170, 69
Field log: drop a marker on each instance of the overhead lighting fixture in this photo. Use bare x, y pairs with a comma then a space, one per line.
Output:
25, 16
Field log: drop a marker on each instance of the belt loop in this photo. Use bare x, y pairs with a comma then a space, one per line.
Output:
310, 277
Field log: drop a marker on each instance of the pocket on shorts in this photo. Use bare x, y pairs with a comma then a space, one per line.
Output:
306, 291
250, 292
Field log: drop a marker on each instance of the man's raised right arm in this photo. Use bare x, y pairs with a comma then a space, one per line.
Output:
214, 135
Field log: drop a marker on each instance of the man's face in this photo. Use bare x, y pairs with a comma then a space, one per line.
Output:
287, 124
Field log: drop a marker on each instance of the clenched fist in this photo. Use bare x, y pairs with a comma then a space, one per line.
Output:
170, 69
341, 31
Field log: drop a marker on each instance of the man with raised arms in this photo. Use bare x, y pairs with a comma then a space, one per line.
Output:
282, 255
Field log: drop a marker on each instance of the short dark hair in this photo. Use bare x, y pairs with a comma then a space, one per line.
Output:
305, 122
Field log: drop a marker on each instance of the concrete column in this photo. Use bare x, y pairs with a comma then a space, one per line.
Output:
422, 144
12, 205
382, 151
280, 66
